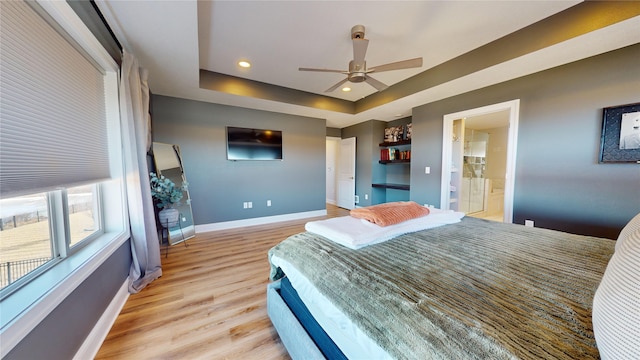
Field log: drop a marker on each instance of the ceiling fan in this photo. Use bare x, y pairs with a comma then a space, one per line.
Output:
358, 71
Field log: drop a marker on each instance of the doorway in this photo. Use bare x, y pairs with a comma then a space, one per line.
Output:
484, 159
340, 172
347, 173
479, 147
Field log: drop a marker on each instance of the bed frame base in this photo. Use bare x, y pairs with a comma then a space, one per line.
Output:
294, 337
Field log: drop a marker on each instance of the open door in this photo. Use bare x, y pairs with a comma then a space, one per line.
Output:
347, 173
465, 171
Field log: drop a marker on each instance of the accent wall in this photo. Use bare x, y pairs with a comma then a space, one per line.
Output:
219, 187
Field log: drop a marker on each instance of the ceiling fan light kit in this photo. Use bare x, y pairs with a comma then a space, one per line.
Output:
358, 71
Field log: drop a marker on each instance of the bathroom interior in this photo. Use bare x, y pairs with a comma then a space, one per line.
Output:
480, 147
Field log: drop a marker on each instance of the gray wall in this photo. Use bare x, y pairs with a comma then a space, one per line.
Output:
62, 332
334, 132
558, 181
219, 187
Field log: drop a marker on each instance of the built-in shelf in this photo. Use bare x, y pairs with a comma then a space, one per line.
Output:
402, 161
396, 153
396, 143
391, 186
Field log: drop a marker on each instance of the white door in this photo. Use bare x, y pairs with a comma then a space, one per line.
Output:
347, 173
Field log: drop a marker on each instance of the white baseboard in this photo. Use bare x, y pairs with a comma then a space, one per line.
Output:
258, 221
330, 201
94, 340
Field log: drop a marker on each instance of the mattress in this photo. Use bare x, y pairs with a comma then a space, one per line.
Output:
290, 296
476, 289
344, 333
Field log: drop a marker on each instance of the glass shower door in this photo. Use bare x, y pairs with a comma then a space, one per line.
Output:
472, 188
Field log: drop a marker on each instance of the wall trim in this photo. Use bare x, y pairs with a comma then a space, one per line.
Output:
94, 340
258, 221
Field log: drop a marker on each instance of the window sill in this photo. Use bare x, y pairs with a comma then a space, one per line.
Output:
24, 309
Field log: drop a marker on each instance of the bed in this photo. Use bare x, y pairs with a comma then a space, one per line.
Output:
474, 289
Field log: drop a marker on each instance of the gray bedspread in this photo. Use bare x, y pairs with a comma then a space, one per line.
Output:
473, 290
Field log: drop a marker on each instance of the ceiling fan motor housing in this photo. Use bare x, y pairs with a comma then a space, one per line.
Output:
357, 71
357, 32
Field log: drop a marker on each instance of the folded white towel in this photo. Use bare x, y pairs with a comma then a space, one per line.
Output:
357, 233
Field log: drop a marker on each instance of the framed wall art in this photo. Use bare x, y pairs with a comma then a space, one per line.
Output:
620, 140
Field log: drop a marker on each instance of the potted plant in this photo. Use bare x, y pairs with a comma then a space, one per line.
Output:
167, 194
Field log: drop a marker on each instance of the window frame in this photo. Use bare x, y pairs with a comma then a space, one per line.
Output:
99, 222
59, 234
26, 307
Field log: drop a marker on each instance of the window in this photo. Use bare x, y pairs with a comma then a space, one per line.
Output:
84, 214
53, 94
25, 241
30, 238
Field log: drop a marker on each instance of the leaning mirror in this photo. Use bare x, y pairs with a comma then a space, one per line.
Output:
177, 225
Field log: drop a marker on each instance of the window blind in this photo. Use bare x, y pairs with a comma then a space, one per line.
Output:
52, 108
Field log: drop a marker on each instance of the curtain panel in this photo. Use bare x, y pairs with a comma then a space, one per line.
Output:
134, 112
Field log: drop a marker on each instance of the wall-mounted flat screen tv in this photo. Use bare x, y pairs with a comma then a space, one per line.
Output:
253, 144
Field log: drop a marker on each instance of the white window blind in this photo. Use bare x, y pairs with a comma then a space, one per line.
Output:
52, 108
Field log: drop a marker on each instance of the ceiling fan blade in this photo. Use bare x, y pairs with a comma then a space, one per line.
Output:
336, 85
398, 65
375, 83
359, 50
324, 70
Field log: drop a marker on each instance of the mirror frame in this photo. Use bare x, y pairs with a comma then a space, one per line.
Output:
185, 228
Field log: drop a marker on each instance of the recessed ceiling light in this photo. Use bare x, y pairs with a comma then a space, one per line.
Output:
244, 64
346, 89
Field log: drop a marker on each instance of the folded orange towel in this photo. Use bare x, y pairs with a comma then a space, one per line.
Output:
390, 213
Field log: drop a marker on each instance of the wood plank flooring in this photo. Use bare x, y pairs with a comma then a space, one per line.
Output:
210, 302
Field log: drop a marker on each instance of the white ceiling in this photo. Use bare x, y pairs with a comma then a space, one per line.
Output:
174, 39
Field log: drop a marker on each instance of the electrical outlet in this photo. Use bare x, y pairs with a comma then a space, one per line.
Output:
528, 223
250, 205
357, 199
268, 202
245, 205
427, 169
366, 196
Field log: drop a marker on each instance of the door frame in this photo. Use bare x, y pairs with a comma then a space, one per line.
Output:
447, 134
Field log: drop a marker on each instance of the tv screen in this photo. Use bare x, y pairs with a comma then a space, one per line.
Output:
253, 144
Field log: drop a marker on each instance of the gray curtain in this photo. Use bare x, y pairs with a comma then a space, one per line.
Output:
134, 113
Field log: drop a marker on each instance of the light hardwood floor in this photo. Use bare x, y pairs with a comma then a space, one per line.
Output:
210, 302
